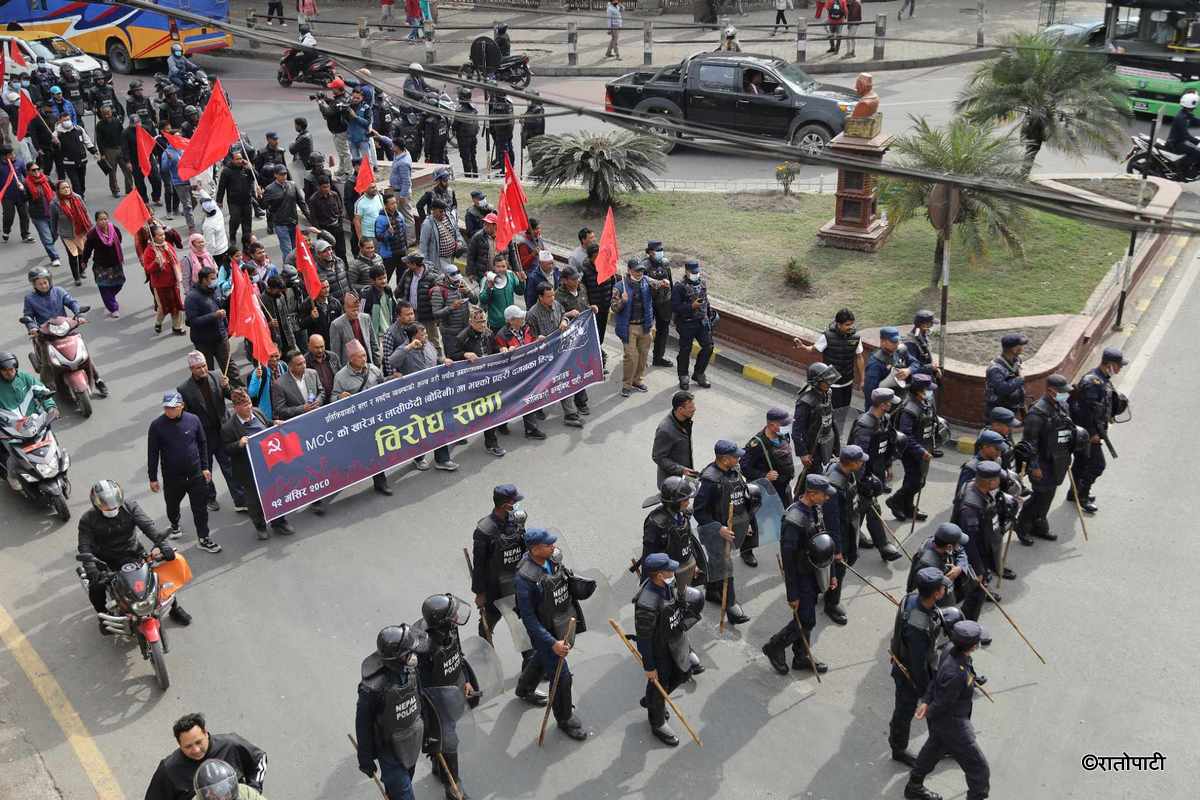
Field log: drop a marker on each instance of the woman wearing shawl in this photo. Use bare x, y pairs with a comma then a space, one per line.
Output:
161, 264
41, 198
103, 248
69, 221
195, 259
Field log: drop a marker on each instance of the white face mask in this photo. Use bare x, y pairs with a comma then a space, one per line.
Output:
110, 512
1062, 397
694, 277
660, 255
670, 582
68, 125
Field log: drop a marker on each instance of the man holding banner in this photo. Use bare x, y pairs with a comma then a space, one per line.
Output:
359, 374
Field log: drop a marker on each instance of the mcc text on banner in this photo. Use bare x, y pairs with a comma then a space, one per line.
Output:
330, 448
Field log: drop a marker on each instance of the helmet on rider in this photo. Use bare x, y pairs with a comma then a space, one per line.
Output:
304, 29
464, 93
215, 780
8, 361
501, 29
37, 273
1189, 100
415, 68
176, 50
107, 496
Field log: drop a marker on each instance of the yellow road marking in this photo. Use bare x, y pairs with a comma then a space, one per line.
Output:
1142, 305
1156, 281
93, 763
758, 374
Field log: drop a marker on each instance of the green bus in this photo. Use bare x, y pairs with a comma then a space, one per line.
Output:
1155, 48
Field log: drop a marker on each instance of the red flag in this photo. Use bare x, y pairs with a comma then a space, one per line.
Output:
17, 57
132, 213
26, 113
176, 141
511, 210
246, 317
305, 264
145, 147
280, 448
215, 134
366, 176
610, 251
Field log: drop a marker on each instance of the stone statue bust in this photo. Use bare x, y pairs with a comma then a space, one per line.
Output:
868, 102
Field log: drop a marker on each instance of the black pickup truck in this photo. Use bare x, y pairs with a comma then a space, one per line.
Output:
751, 94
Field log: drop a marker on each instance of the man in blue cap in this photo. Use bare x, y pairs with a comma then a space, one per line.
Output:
769, 455
981, 512
1005, 383
874, 431
658, 270
946, 705
694, 320
918, 422
887, 359
176, 440
843, 476
546, 607
1094, 404
914, 653
989, 446
806, 549
1003, 421
1049, 444
723, 497
946, 551
661, 620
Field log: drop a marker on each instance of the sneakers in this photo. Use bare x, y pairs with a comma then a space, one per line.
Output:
175, 533
626, 391
209, 546
55, 263
573, 421
240, 507
27, 239
534, 433
641, 387
446, 466
178, 615
421, 463
497, 451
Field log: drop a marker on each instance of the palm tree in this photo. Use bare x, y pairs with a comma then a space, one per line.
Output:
961, 148
1068, 99
604, 163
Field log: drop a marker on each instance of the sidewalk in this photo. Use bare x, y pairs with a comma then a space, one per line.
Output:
947, 29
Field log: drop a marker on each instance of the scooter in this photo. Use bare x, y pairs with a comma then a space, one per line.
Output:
1157, 161
139, 595
513, 70
74, 375
195, 91
319, 71
40, 461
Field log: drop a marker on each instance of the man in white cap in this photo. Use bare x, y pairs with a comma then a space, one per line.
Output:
176, 440
545, 274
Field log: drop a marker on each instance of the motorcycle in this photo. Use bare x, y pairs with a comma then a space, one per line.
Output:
195, 91
319, 71
74, 375
489, 64
40, 461
1158, 162
139, 595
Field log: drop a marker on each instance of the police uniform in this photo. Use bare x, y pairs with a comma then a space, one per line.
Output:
978, 515
1011, 457
691, 324
668, 530
1009, 481
533, 125
1005, 385
878, 438
720, 490
388, 723
964, 586
443, 673
814, 431
918, 423
844, 529
466, 132
914, 646
766, 454
1093, 406
662, 295
949, 698
1051, 437
881, 364
437, 134
498, 543
500, 128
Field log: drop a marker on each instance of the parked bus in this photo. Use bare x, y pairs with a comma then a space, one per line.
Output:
125, 36
1158, 55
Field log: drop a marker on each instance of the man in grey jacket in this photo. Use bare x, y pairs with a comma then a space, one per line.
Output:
415, 356
452, 297
440, 237
352, 326
672, 452
357, 376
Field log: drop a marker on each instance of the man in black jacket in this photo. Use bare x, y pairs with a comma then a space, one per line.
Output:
206, 323
204, 395
173, 778
238, 185
176, 439
108, 142
317, 315
672, 452
244, 422
284, 202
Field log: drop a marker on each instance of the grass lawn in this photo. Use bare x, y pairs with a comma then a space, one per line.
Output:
745, 240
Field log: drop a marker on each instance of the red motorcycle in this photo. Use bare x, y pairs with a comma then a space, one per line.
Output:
74, 375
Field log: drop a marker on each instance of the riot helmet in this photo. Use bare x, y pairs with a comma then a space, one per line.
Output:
820, 550
396, 643
315, 161
675, 490
107, 496
441, 610
135, 86
820, 373
754, 495
464, 93
215, 780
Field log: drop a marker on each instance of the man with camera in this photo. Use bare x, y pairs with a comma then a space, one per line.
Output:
334, 109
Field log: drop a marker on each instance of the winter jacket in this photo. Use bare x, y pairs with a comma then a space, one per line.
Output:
425, 283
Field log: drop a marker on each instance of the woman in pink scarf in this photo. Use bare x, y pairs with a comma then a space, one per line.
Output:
195, 259
103, 248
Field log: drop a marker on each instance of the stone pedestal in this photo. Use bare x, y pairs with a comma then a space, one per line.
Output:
856, 223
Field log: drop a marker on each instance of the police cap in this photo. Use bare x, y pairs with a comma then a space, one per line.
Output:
922, 316
1011, 340
990, 438
724, 447
881, 395
506, 493
966, 633
852, 452
890, 333
1058, 381
779, 415
949, 533
659, 562
819, 483
539, 536
988, 470
929, 578
1004, 416
653, 244
921, 382
1113, 354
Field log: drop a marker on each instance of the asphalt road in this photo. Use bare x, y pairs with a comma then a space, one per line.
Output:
280, 626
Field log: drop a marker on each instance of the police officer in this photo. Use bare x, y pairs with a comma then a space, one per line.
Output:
387, 719
977, 511
946, 551
667, 529
103, 93
1005, 383
875, 433
921, 355
989, 446
500, 128
769, 455
815, 436
1093, 406
437, 136
498, 544
533, 125
1051, 435
914, 647
946, 706
694, 319
658, 270
1003, 421
842, 475
466, 132
546, 607
918, 423
806, 549
722, 488
662, 616
442, 668
887, 359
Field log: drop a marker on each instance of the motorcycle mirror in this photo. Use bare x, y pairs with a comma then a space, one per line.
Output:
83, 310
25, 320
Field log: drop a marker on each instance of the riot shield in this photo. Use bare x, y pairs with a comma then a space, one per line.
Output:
488, 674
446, 705
485, 54
719, 558
516, 628
770, 514
700, 553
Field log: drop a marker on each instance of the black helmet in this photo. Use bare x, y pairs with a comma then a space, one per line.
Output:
440, 610
1082, 439
396, 643
755, 494
215, 780
675, 490
464, 93
67, 72
501, 28
315, 160
820, 550
107, 494
8, 360
951, 615
135, 85
170, 90
192, 111
823, 373
38, 272
923, 316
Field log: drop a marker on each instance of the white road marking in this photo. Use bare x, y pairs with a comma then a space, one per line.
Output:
1130, 377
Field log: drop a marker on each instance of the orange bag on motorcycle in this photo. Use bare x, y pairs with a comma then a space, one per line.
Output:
172, 576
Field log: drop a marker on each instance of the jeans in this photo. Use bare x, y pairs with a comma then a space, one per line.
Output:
361, 150
195, 489
20, 209
397, 779
42, 226
183, 193
637, 352
287, 243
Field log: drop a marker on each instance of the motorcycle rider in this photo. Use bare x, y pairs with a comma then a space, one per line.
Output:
21, 392
300, 57
387, 719
179, 66
1180, 139
42, 303
503, 41
466, 131
216, 780
415, 87
108, 531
